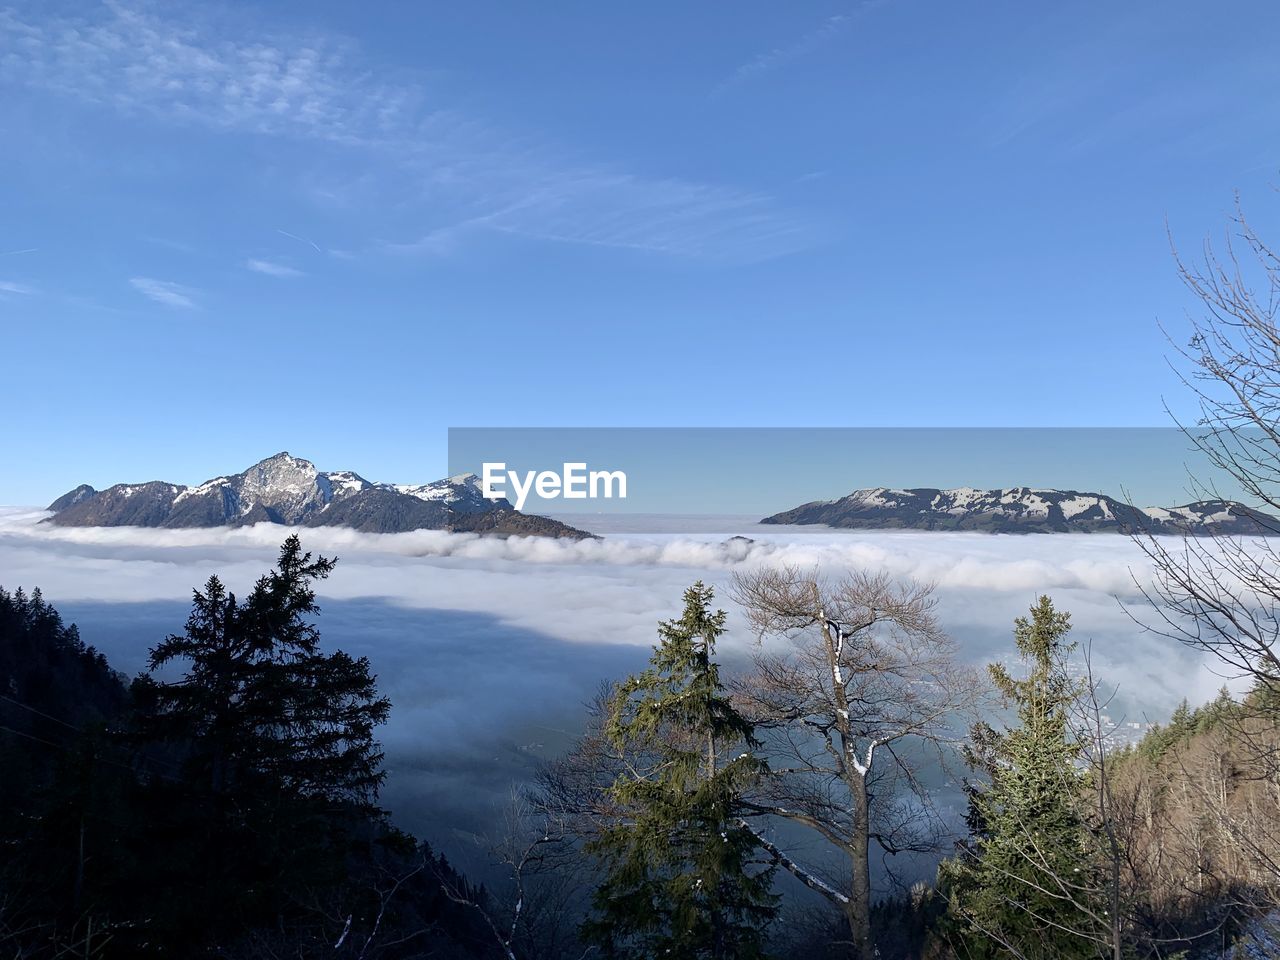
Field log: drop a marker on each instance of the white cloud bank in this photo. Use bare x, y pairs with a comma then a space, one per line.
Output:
952, 561
607, 591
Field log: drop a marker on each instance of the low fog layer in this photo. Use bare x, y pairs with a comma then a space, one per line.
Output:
489, 648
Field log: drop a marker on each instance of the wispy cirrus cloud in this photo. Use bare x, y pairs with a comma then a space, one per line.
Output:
168, 243
462, 176
134, 60
808, 43
272, 269
7, 287
165, 292
598, 208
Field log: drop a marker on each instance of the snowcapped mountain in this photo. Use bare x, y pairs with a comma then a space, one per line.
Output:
1023, 510
289, 490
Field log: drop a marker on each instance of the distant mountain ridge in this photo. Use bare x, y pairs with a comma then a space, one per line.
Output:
1023, 510
289, 490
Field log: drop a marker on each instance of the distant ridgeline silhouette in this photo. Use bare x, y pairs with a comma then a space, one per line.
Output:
288, 490
1024, 510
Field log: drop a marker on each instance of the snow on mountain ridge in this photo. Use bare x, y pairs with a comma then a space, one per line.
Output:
1020, 509
295, 487
290, 490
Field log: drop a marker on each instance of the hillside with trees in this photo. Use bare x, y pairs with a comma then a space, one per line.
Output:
225, 802
229, 811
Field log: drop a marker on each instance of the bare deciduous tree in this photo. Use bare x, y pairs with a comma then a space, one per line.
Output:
1221, 594
854, 682
573, 790
536, 917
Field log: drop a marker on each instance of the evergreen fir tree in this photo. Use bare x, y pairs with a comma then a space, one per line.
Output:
260, 699
275, 738
1025, 884
680, 882
1221, 711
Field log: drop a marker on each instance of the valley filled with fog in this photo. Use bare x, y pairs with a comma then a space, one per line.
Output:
489, 649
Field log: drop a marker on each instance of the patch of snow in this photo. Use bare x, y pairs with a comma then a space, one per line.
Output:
1075, 506
346, 482
440, 490
206, 487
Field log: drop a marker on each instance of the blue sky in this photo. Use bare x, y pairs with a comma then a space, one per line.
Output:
339, 228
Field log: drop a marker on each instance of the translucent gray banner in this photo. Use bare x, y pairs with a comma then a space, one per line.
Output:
759, 472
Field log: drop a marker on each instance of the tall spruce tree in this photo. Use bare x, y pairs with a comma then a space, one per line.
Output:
275, 738
1026, 884
260, 699
680, 881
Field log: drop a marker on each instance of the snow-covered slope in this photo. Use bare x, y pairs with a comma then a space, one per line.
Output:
1022, 510
289, 490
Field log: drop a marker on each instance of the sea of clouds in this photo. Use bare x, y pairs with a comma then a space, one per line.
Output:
489, 648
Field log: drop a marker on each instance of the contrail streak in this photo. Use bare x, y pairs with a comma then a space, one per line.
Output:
294, 236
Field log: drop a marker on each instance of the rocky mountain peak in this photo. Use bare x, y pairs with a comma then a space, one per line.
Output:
290, 486
290, 490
